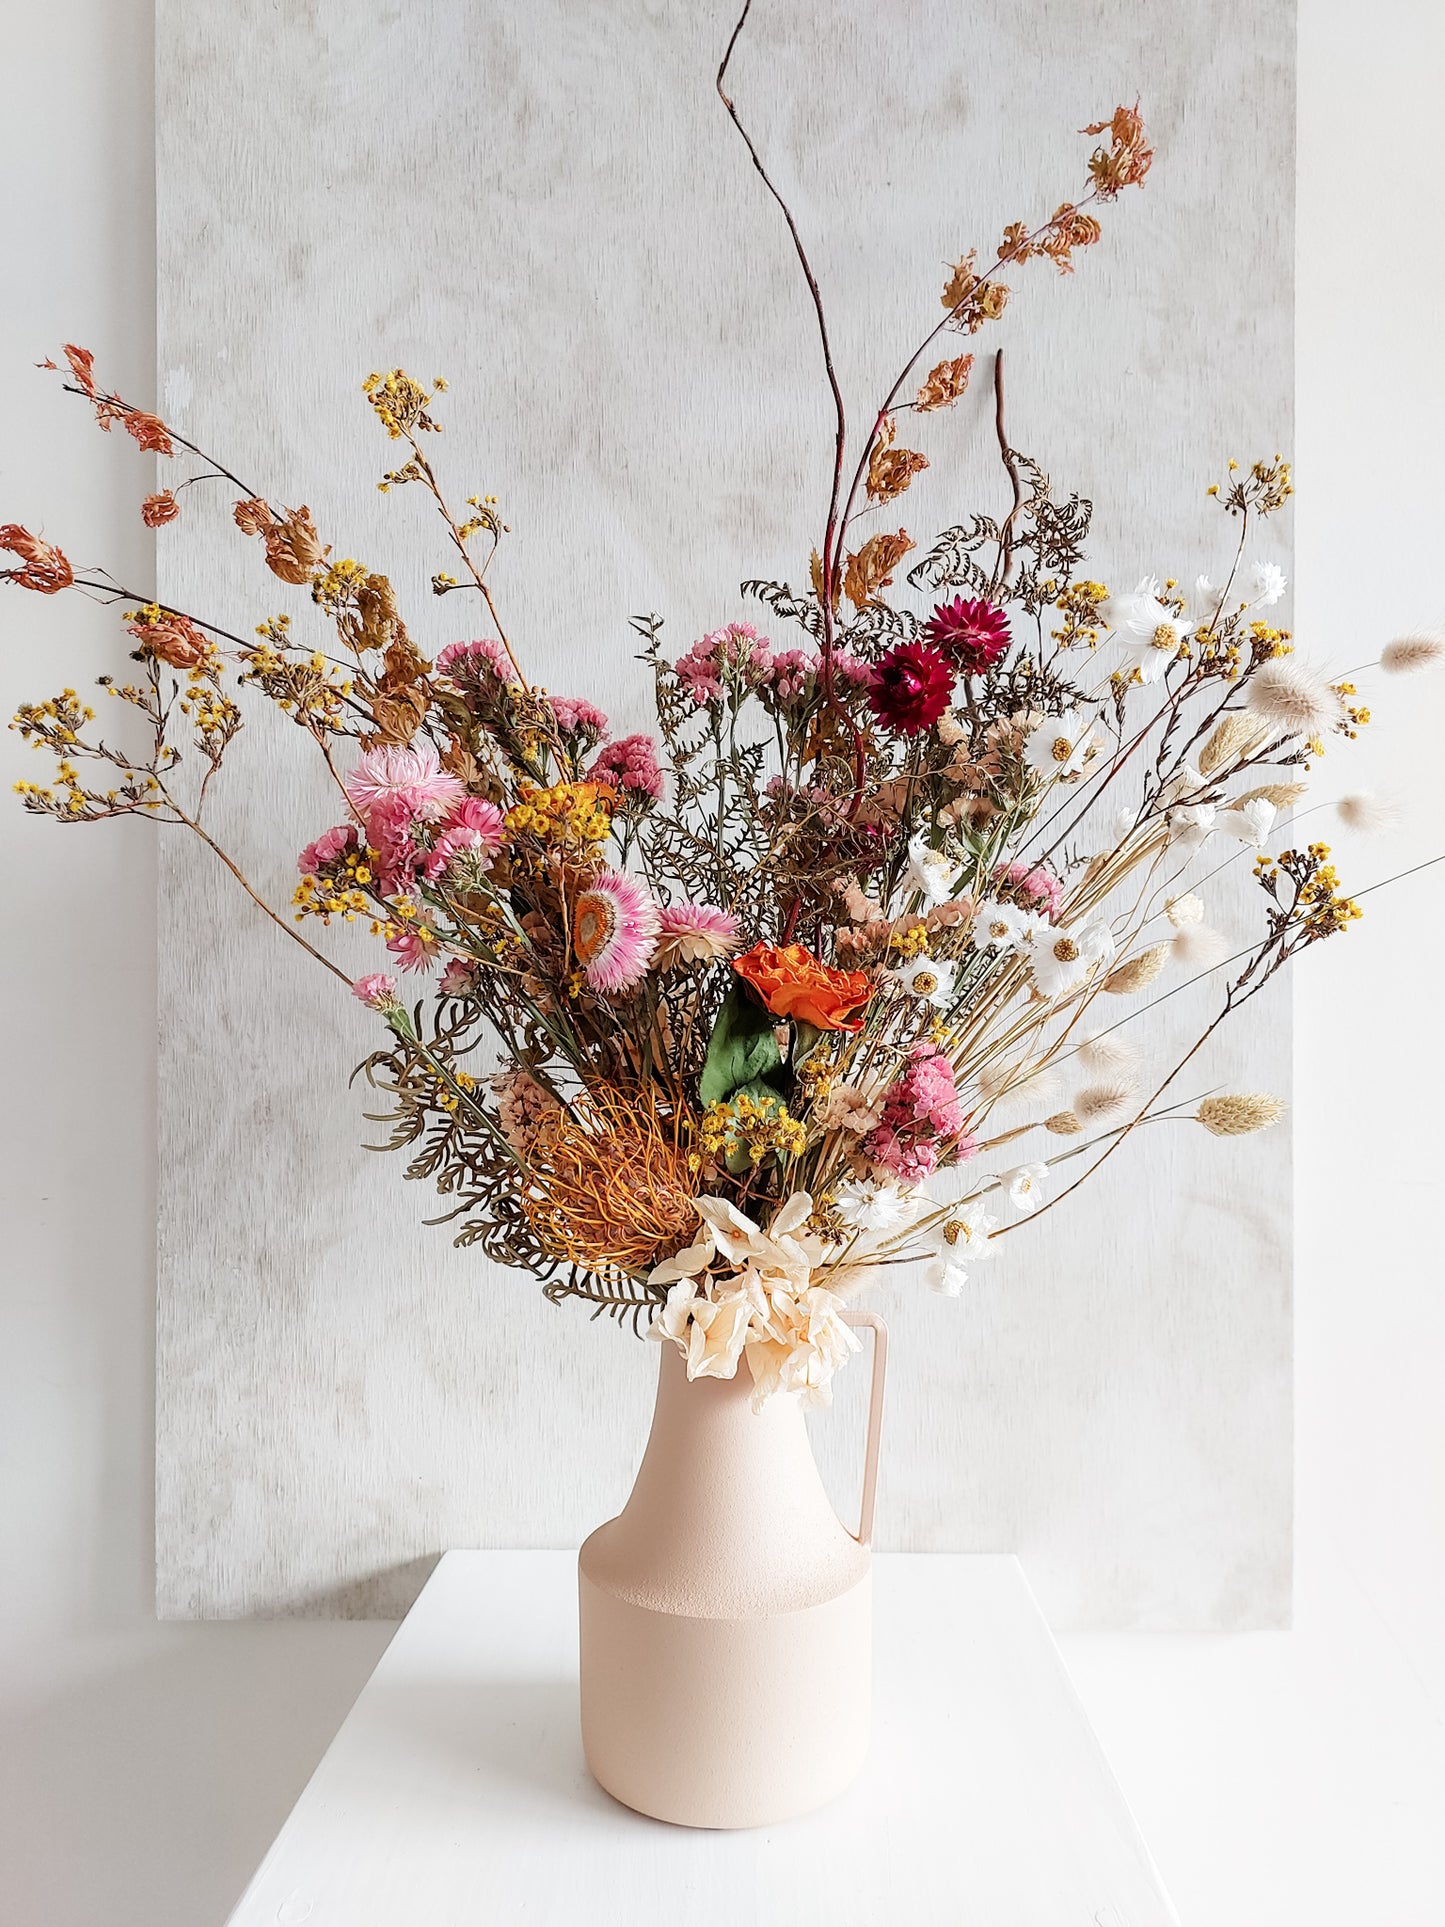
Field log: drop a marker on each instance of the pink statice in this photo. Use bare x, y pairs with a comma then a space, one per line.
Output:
921, 1108
1033, 887
630, 764
328, 849
377, 990
728, 661
614, 931
403, 782
414, 945
577, 717
486, 652
793, 672
474, 825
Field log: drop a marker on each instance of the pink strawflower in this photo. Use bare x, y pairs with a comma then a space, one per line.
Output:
1033, 887
409, 782
630, 764
735, 659
377, 990
474, 824
328, 848
922, 1107
391, 833
414, 946
694, 933
459, 978
487, 651
614, 931
577, 717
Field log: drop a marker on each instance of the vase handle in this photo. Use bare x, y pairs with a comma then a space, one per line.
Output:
858, 1320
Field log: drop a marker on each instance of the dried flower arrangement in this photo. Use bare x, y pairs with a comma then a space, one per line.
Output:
752, 982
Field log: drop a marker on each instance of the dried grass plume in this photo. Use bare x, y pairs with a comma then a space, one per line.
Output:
1240, 1113
1419, 650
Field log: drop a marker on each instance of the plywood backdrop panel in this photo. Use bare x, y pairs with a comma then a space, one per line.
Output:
542, 199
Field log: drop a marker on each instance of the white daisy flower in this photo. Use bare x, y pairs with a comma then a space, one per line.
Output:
1150, 635
1025, 1187
1059, 745
863, 1205
945, 1275
1007, 926
1203, 599
923, 977
1268, 583
1063, 959
966, 1233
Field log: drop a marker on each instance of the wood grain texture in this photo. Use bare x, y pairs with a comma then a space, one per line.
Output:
542, 199
456, 1792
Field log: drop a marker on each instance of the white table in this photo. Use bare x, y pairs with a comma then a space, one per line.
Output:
455, 1794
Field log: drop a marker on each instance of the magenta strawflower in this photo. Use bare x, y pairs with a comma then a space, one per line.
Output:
974, 634
614, 931
403, 782
694, 933
630, 764
910, 688
328, 848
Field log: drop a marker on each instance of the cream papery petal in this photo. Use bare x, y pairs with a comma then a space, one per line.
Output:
736, 1237
791, 1215
718, 1334
671, 1320
686, 1263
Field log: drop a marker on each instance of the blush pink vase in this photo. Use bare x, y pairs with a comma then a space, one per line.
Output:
726, 1612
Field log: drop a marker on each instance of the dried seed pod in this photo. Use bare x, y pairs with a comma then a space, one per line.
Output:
1236, 737
1137, 972
1240, 1113
1063, 1124
1101, 1101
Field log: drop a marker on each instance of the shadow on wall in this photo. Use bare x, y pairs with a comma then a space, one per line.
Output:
158, 1778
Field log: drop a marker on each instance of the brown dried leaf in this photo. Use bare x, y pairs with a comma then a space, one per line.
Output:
871, 568
890, 470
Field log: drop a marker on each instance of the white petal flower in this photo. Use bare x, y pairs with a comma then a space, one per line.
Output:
717, 1335
1191, 826
945, 1275
966, 1234
1059, 745
864, 1205
1007, 926
1025, 1187
1203, 599
1251, 822
1063, 959
1184, 910
923, 978
929, 872
1268, 583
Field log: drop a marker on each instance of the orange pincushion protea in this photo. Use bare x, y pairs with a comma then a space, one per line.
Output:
792, 983
611, 1185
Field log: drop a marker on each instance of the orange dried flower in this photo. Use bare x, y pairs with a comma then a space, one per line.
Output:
943, 385
792, 983
294, 551
890, 470
610, 1185
45, 569
157, 510
253, 517
82, 361
1126, 160
174, 639
149, 431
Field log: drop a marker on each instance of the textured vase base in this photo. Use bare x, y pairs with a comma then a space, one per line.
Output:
724, 1723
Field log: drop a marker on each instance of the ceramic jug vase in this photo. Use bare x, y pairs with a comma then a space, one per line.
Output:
726, 1613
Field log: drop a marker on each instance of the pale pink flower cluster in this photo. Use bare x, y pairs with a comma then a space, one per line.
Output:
735, 658
1034, 887
922, 1107
487, 651
630, 764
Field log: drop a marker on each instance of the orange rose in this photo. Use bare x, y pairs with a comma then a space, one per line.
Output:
792, 983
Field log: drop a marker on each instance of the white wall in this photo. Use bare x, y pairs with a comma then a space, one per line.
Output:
1279, 1778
